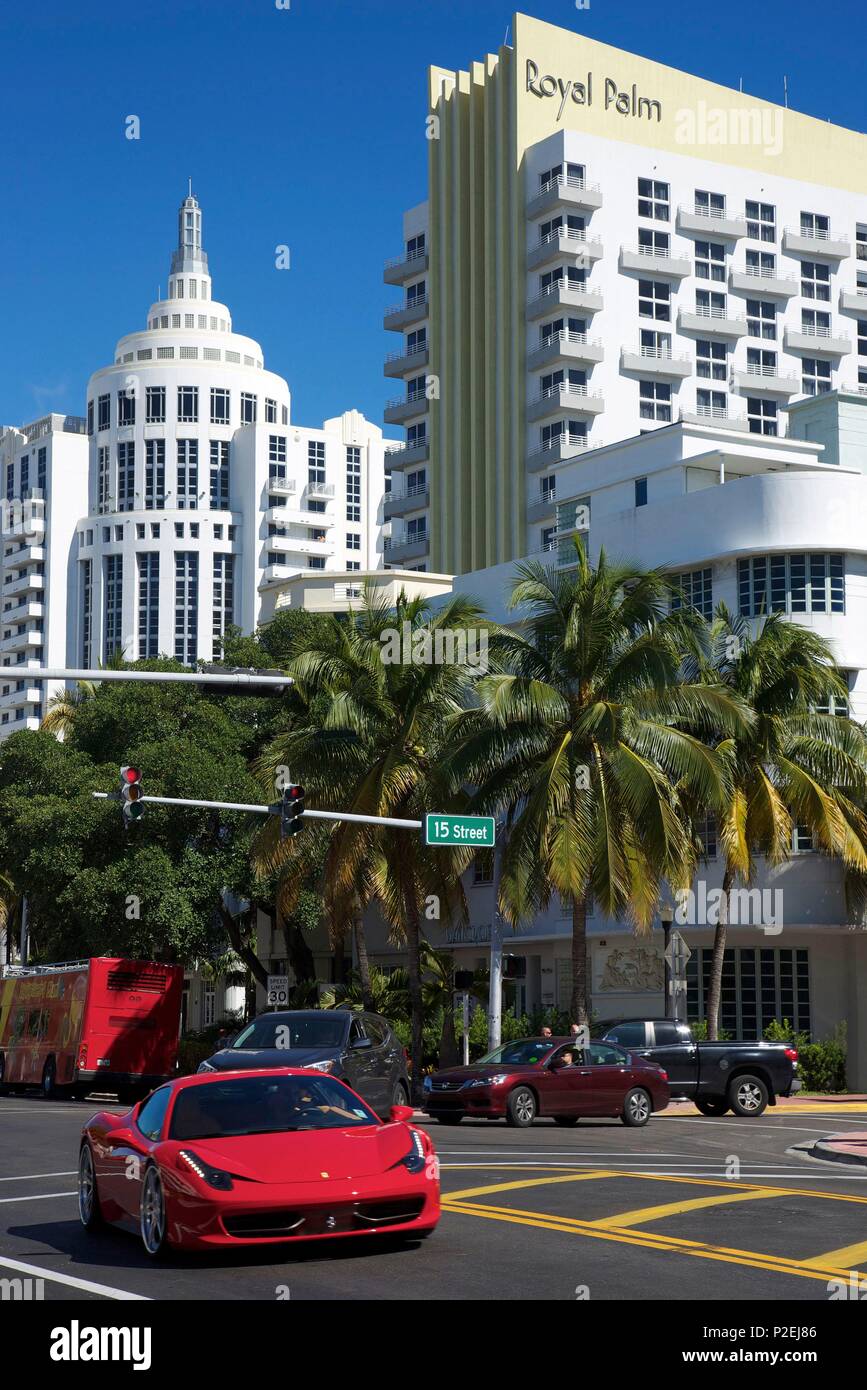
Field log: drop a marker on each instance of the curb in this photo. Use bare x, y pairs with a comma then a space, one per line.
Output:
848, 1149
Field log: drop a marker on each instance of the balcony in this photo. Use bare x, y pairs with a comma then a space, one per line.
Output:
321, 492
282, 487
298, 516
854, 302
25, 519
400, 550
798, 242
541, 505
816, 341
561, 296
714, 415
565, 241
708, 321
24, 611
404, 408
401, 316
575, 400
766, 381
708, 222
300, 545
27, 584
407, 454
565, 346
30, 695
753, 280
398, 363
400, 501
401, 268
562, 450
646, 260
22, 641
655, 362
565, 191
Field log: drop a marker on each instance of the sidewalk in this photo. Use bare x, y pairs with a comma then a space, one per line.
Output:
840, 1148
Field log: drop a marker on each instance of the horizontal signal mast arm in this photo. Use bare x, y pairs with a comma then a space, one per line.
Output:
270, 810
239, 678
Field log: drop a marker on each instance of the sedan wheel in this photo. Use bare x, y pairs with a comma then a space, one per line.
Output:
748, 1095
153, 1214
88, 1198
521, 1108
636, 1108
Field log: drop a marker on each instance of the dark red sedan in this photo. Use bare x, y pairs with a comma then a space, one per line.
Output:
549, 1076
256, 1157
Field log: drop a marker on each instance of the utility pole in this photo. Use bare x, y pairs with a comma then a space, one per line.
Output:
666, 917
24, 946
495, 987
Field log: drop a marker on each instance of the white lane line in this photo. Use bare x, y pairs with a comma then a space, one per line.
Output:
86, 1285
656, 1173
36, 1197
32, 1177
745, 1125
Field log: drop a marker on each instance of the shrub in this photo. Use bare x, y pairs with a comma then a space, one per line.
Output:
699, 1031
821, 1065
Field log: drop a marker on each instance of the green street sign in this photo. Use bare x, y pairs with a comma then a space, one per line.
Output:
459, 830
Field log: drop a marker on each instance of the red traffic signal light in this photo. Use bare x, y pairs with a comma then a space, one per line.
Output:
291, 810
131, 795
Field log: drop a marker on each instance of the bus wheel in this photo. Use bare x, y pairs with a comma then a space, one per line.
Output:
49, 1079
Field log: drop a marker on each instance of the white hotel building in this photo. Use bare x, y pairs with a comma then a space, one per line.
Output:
644, 293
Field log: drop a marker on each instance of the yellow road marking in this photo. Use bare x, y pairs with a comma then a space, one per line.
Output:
645, 1214
531, 1182
848, 1255
651, 1241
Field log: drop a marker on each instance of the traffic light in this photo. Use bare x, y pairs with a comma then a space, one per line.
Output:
291, 810
464, 980
131, 795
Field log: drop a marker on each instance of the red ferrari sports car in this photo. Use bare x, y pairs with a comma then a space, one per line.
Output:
249, 1157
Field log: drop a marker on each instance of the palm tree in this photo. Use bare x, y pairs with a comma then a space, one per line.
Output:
373, 746
791, 766
385, 994
589, 738
62, 707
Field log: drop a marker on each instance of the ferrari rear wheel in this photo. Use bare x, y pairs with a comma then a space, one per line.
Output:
89, 1209
153, 1214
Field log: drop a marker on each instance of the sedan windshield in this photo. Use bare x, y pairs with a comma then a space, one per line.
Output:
283, 1031
524, 1052
266, 1105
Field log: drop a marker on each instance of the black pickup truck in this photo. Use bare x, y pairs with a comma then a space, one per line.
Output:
744, 1077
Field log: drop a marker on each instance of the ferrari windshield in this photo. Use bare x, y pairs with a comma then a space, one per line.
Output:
242, 1105
524, 1052
283, 1031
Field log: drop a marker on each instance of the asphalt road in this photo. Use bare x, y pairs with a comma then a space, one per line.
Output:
688, 1208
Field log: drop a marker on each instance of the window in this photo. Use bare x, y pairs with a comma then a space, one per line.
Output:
653, 199
186, 606
695, 591
223, 600
711, 360
815, 281
552, 281
710, 304
155, 405
714, 404
316, 562
416, 294
86, 590
125, 408
415, 246
483, 867
148, 603
42, 469
153, 1112
188, 404
187, 497
653, 243
220, 475
761, 319
548, 488
315, 463
816, 225
762, 416
277, 456
641, 492
761, 362
654, 300
761, 221
155, 474
113, 606
353, 540
90, 417
270, 411
104, 413
815, 376
654, 400
710, 260
791, 584
758, 986
353, 483
103, 479
761, 263
709, 204
248, 408
126, 476
572, 226
219, 406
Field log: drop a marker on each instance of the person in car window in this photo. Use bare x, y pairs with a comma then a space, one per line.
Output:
567, 1059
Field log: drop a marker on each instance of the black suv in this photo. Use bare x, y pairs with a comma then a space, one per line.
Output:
358, 1048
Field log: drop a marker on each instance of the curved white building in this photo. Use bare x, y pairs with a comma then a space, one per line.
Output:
201, 491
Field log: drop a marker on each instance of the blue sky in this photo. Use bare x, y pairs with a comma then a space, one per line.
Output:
302, 127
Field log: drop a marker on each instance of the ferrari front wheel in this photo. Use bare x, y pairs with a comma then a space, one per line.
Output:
152, 1218
89, 1209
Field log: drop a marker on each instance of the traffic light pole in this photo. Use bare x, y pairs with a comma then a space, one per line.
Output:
242, 679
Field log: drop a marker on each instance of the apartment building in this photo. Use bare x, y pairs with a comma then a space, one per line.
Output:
609, 245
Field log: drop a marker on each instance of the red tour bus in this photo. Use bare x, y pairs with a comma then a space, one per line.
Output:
101, 1024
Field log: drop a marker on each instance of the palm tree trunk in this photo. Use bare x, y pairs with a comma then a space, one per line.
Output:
580, 1003
714, 992
240, 947
416, 1006
363, 961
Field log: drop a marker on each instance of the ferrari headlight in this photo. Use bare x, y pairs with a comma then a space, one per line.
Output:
414, 1161
214, 1177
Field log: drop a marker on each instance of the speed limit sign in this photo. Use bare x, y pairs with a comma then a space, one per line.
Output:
278, 991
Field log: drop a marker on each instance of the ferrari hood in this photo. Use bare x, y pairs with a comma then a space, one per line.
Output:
307, 1155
